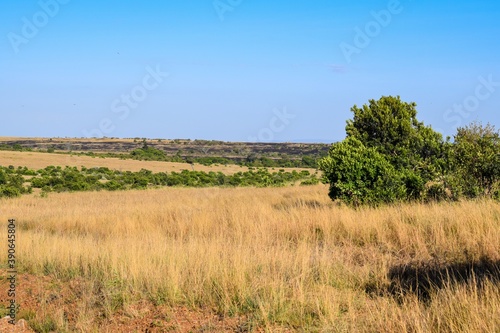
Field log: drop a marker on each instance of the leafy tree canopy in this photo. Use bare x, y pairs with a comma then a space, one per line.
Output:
391, 126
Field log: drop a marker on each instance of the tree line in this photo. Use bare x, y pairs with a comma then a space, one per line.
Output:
17, 181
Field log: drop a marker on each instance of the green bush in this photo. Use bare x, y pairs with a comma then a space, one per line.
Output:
361, 175
476, 159
311, 181
9, 191
147, 153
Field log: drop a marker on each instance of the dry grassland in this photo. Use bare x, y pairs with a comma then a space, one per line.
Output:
69, 140
286, 258
35, 160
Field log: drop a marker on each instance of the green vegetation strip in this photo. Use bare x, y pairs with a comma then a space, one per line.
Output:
17, 181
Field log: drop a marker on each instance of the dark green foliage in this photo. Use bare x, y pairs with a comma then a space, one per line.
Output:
147, 153
12, 183
14, 147
476, 160
391, 126
361, 175
3, 178
309, 162
414, 183
212, 160
9, 191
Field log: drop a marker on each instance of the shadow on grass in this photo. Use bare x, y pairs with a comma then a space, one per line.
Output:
421, 278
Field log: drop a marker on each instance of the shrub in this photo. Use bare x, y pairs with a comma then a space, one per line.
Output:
361, 175
476, 159
311, 181
147, 153
9, 191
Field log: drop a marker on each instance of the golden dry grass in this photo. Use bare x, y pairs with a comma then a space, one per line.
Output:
36, 160
287, 256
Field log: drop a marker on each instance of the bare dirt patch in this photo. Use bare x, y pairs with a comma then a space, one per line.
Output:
48, 304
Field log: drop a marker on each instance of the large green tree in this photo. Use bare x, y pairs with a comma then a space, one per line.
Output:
396, 154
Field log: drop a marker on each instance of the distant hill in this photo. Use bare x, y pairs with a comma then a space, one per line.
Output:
185, 149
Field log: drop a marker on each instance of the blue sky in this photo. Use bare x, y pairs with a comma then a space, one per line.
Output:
241, 70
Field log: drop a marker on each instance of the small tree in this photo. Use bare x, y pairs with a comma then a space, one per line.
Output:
476, 159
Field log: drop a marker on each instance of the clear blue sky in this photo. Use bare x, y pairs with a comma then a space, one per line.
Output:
233, 65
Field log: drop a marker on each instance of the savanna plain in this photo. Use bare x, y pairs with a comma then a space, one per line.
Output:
237, 258
249, 259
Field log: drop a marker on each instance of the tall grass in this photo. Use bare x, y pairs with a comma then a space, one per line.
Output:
286, 257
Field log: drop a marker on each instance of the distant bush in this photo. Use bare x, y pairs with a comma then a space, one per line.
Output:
147, 153
309, 182
9, 191
14, 147
12, 183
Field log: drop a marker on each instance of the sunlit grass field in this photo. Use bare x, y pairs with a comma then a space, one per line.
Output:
286, 258
37, 160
